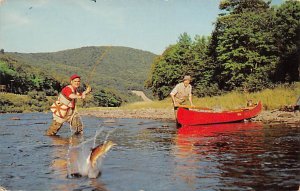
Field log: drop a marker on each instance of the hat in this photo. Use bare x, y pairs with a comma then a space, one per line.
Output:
74, 76
187, 78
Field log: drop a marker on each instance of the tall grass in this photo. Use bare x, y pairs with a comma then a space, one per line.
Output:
271, 99
15, 103
279, 97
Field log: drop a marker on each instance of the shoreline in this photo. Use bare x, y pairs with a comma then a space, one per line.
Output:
271, 117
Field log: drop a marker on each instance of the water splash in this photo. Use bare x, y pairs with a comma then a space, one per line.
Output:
73, 140
78, 158
98, 132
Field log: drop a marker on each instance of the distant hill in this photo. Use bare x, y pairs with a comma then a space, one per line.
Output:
121, 68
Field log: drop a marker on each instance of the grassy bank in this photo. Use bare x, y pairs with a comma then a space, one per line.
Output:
271, 99
33, 102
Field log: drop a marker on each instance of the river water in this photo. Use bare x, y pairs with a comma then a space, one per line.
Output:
151, 155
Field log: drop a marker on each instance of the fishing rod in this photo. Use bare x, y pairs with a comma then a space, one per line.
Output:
88, 83
95, 65
90, 75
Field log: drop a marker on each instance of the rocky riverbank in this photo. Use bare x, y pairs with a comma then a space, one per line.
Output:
273, 118
276, 117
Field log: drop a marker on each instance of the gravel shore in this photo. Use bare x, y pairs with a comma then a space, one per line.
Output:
273, 117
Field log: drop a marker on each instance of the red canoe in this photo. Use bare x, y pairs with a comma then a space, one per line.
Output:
214, 129
190, 117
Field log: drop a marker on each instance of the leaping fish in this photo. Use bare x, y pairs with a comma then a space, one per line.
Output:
88, 166
100, 151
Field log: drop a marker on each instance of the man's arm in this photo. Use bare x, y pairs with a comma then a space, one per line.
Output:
173, 99
173, 93
191, 97
191, 100
81, 95
75, 96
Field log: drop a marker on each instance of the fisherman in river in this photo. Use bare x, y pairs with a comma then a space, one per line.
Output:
64, 109
182, 92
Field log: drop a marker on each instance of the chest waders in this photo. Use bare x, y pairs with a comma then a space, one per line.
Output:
63, 112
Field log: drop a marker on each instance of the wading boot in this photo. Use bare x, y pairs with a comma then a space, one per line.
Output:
53, 128
76, 124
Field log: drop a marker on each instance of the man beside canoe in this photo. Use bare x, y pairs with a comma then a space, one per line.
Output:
182, 92
64, 109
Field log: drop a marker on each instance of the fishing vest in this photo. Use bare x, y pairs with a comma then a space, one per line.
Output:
62, 105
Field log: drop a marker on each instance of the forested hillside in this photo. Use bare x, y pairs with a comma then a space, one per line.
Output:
21, 78
120, 68
111, 71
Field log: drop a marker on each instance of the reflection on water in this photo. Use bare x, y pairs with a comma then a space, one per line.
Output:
59, 164
150, 155
238, 156
200, 151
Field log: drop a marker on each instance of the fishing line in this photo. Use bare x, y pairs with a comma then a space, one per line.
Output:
108, 134
96, 63
78, 117
88, 82
68, 160
96, 135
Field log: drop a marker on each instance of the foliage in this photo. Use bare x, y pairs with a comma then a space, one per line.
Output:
34, 102
103, 98
184, 58
38, 101
287, 35
245, 50
164, 74
117, 72
107, 99
21, 78
118, 68
253, 47
6, 105
241, 6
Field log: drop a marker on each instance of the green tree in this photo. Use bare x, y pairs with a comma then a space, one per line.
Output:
287, 35
24, 78
169, 68
202, 68
186, 57
106, 98
243, 48
240, 6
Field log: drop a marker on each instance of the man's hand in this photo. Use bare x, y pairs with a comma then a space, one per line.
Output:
88, 89
176, 104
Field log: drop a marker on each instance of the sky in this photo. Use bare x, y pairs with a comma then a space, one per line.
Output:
31, 26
